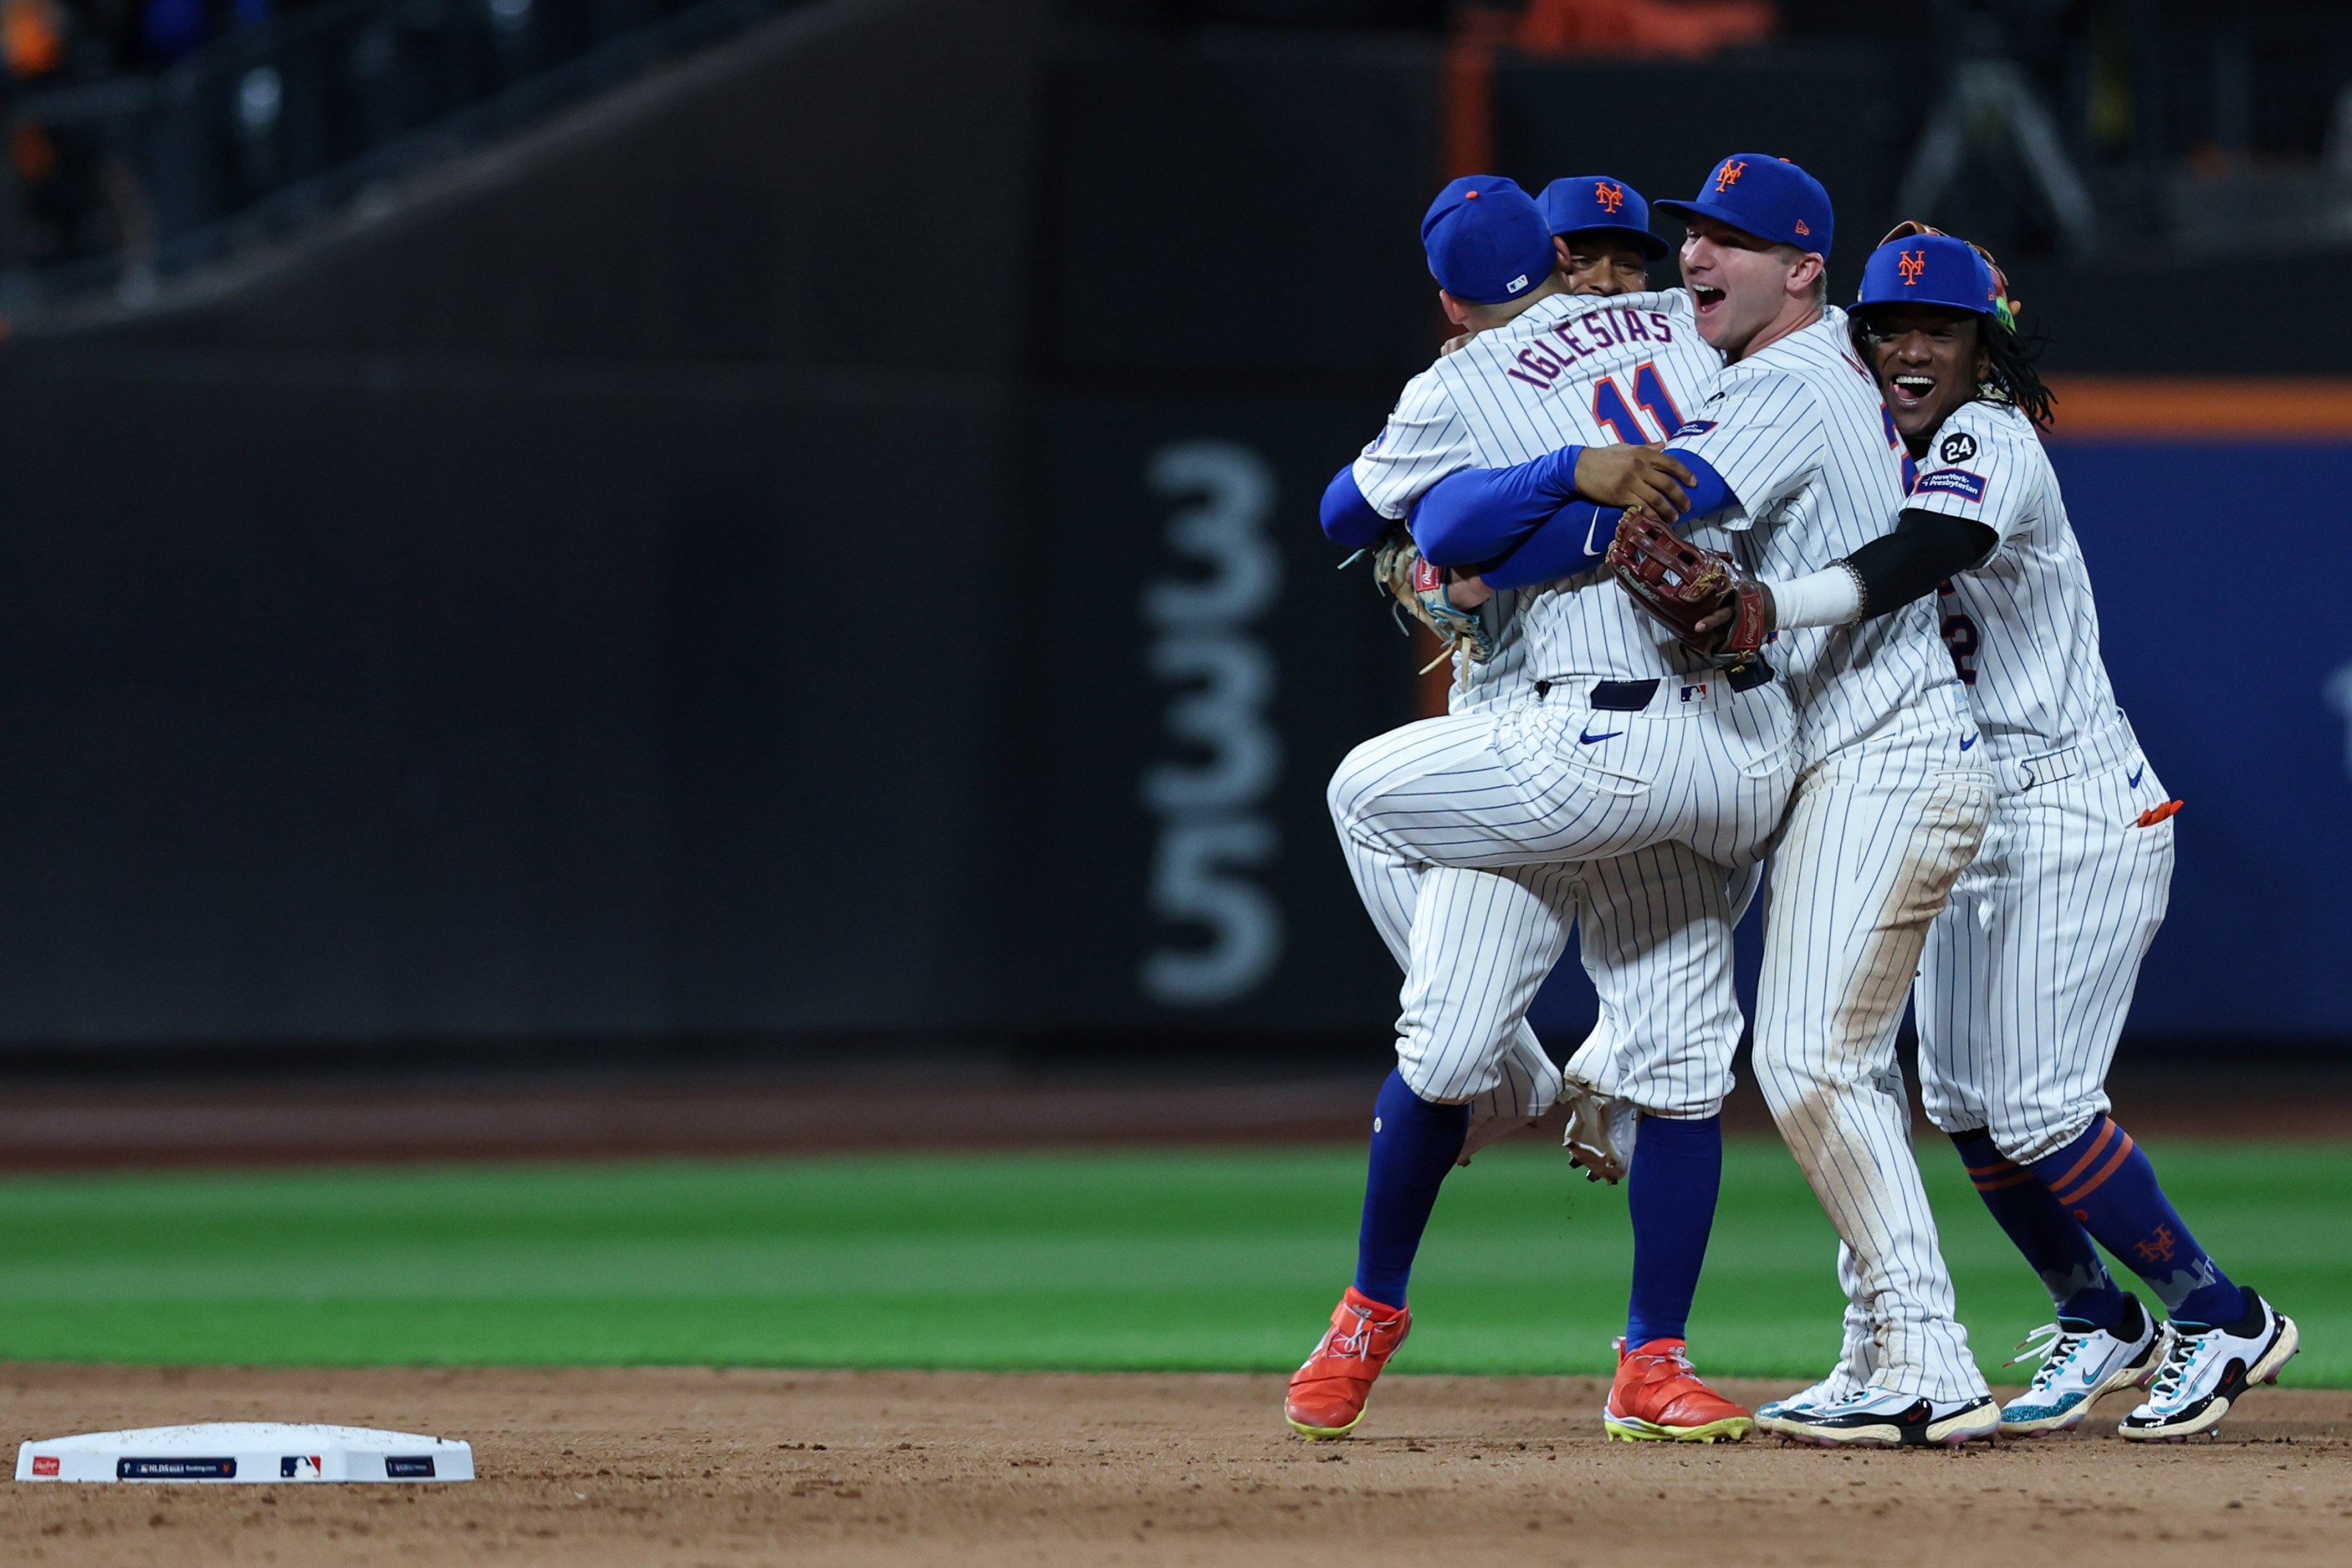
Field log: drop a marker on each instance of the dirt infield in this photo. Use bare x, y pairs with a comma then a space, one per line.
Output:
655, 1466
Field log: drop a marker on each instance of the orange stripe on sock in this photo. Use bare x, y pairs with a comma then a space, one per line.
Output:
2106, 1131
2096, 1183
2008, 1181
1999, 1166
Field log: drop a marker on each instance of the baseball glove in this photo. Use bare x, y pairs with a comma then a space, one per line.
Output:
1419, 588
1682, 583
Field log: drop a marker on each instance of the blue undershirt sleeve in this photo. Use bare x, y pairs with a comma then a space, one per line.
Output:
1479, 513
1573, 541
1708, 492
1349, 518
1575, 537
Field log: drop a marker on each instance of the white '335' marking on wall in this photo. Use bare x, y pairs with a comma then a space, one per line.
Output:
1213, 825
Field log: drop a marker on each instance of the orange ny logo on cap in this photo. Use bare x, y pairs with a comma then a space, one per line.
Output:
1611, 197
1911, 264
1729, 175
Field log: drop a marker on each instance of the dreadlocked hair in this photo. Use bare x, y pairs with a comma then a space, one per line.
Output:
2009, 375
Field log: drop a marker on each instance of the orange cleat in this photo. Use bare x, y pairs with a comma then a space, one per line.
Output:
1658, 1398
1327, 1394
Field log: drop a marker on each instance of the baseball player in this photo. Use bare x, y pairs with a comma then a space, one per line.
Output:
1470, 836
1794, 456
2028, 974
1601, 246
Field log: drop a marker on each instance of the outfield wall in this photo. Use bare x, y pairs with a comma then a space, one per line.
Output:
543, 723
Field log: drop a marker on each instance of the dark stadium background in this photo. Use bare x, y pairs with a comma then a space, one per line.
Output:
564, 538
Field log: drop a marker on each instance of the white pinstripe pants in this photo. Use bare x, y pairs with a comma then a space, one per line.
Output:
1466, 836
1657, 927
2027, 977
1876, 833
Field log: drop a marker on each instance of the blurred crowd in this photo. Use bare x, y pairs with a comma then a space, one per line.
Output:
48, 41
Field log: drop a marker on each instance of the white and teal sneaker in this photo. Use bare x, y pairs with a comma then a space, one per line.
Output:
2207, 1371
2079, 1363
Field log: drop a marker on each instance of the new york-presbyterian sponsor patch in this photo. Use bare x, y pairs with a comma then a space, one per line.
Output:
1954, 481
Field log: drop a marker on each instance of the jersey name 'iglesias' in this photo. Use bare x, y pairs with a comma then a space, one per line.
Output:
1570, 370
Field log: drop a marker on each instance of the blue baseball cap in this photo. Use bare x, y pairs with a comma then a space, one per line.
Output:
1769, 197
1485, 240
1929, 269
1583, 202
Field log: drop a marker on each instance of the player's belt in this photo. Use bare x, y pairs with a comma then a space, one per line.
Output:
2096, 753
1632, 696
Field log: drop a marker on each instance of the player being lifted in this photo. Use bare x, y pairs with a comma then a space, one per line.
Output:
1793, 455
1477, 839
2028, 975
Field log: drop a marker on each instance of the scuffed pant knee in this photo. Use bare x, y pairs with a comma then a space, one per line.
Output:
1790, 1085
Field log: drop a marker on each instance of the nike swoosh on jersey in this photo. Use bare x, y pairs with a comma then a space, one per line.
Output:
1972, 740
1590, 530
1587, 737
2135, 774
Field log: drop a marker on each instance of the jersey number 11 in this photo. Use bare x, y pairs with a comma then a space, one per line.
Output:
1610, 408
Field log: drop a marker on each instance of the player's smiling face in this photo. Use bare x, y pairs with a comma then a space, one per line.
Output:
1596, 263
1739, 282
1928, 361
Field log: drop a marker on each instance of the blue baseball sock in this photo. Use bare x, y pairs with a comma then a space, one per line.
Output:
2107, 1184
2058, 1249
1414, 1143
1677, 1172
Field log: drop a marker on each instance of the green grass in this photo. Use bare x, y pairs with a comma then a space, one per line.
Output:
1165, 1260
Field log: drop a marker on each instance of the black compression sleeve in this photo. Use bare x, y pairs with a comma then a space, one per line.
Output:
1926, 548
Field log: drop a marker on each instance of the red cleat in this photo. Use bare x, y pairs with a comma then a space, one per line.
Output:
1658, 1398
1327, 1394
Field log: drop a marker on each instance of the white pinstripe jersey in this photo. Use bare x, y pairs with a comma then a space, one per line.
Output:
2022, 629
1569, 370
1799, 433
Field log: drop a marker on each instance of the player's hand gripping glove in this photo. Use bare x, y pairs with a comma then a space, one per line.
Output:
1420, 587
1682, 583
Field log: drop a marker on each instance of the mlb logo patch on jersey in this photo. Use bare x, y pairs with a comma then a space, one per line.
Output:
1953, 481
1694, 693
